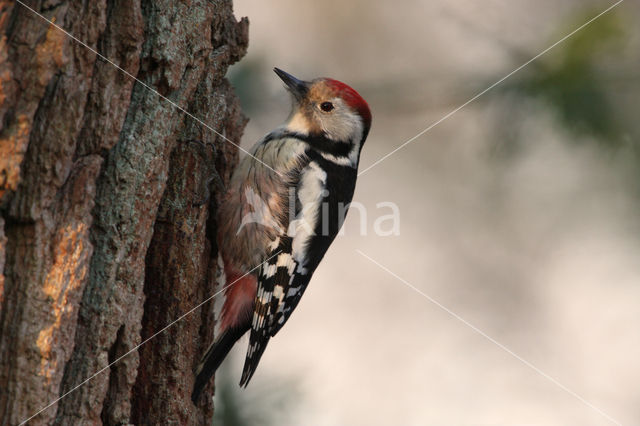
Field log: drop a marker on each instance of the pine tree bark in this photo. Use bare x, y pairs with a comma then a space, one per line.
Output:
101, 245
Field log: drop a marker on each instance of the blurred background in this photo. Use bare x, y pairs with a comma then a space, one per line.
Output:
520, 213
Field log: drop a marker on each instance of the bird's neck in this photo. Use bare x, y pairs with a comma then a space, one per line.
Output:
299, 123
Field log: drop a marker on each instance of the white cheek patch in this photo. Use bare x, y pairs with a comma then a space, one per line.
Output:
310, 189
343, 124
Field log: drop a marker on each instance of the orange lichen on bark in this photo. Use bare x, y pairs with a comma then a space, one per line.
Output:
65, 277
12, 150
49, 56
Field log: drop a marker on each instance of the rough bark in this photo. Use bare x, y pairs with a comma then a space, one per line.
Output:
101, 246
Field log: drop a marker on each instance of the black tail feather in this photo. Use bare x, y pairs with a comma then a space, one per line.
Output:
214, 357
254, 353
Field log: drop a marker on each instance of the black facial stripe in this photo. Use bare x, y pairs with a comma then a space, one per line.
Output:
323, 144
323, 162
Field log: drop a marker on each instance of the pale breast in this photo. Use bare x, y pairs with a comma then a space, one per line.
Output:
255, 208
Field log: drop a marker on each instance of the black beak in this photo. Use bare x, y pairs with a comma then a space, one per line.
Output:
298, 88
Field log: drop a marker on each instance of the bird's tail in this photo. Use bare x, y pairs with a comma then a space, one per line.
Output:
213, 358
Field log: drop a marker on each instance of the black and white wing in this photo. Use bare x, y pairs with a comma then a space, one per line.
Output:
285, 275
279, 291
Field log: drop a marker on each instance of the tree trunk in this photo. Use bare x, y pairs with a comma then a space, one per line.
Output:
101, 245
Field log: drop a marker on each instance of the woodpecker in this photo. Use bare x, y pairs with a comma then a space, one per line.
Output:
281, 210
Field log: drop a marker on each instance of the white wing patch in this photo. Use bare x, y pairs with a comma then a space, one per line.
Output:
310, 193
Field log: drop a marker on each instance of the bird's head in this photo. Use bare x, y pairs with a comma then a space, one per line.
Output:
327, 107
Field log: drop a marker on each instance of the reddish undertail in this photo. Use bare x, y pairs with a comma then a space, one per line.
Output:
239, 298
235, 321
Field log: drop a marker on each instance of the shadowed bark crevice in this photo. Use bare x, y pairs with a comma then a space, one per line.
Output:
115, 352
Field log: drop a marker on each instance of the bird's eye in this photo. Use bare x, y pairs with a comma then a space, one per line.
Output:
326, 106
